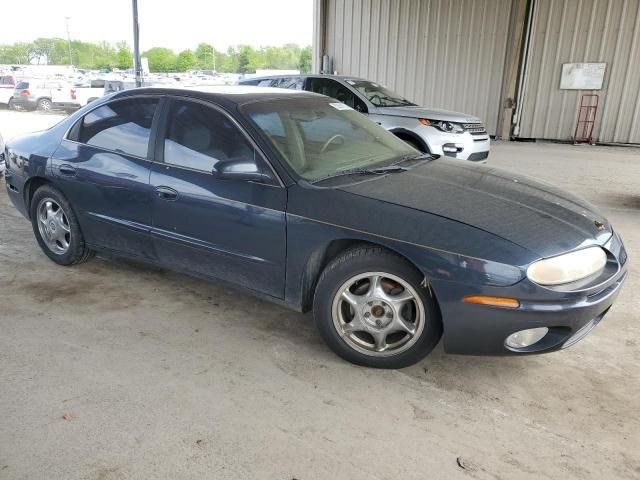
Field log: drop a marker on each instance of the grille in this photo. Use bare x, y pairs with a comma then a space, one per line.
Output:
475, 128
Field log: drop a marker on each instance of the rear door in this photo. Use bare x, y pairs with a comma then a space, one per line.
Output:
103, 167
229, 229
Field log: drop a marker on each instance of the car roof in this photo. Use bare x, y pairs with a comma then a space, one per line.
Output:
304, 75
236, 94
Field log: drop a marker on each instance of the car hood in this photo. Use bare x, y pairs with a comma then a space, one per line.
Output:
539, 217
429, 113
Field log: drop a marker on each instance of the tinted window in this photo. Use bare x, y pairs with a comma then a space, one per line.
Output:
265, 83
123, 126
333, 89
7, 80
22, 85
319, 137
199, 137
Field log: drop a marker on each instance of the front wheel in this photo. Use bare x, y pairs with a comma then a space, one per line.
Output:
372, 309
56, 227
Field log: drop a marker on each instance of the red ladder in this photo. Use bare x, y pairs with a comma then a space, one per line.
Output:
586, 118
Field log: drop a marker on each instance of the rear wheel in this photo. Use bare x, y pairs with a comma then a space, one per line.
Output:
372, 310
56, 227
45, 105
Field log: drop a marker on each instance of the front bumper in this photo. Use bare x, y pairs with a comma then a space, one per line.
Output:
475, 329
463, 146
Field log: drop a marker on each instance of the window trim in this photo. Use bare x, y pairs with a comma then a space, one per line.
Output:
163, 125
151, 142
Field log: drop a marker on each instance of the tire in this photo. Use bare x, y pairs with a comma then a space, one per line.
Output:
11, 105
50, 231
44, 105
380, 335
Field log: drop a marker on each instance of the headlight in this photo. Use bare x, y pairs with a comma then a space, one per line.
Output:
569, 267
442, 125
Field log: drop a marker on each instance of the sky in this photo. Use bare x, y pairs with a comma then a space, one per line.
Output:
178, 25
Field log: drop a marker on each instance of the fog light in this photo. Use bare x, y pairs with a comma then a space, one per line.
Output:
526, 338
452, 148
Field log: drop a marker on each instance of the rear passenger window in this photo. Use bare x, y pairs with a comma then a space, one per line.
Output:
123, 126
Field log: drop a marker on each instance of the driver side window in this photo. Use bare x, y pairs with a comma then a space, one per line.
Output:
199, 137
331, 88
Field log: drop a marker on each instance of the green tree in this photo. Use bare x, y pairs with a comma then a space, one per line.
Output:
186, 60
161, 59
304, 62
205, 55
124, 57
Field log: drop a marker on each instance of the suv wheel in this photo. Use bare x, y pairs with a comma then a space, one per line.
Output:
45, 105
372, 310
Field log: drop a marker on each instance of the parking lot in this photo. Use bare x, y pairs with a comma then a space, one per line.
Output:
110, 370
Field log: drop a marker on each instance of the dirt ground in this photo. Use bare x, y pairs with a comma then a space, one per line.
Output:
165, 376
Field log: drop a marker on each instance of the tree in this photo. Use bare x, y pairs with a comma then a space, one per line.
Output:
304, 62
161, 59
204, 55
124, 57
186, 61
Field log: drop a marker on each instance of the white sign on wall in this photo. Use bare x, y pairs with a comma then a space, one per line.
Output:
582, 76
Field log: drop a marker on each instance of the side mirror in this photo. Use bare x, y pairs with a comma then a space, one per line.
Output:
243, 169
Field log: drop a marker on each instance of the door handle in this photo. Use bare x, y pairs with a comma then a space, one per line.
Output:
166, 193
67, 170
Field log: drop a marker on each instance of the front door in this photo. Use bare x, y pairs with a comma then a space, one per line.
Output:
103, 169
230, 229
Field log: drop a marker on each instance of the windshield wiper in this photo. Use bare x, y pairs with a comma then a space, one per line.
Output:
364, 171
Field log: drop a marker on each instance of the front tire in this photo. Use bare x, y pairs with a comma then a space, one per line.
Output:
372, 309
56, 227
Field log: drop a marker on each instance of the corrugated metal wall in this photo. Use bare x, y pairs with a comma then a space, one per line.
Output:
567, 31
439, 53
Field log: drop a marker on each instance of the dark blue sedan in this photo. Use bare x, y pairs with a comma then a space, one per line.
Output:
301, 200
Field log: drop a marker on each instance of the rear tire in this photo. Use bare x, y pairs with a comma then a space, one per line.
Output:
44, 105
56, 227
372, 309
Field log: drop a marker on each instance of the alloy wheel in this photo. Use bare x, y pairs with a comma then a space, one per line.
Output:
53, 225
378, 314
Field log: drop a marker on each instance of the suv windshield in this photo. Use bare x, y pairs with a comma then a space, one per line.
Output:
320, 138
378, 95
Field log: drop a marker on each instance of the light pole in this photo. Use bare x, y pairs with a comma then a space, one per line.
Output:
66, 19
137, 64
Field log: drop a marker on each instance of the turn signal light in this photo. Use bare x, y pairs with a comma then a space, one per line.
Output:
501, 302
424, 121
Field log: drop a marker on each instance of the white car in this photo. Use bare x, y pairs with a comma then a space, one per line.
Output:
7, 85
74, 97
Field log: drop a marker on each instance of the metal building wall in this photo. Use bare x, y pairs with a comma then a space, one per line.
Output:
567, 31
440, 53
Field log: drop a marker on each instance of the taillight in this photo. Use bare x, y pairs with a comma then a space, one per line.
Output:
25, 92
73, 94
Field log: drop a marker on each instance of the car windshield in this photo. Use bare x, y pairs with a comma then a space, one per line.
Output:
320, 138
379, 95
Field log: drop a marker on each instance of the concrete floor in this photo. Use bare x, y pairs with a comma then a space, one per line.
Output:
165, 376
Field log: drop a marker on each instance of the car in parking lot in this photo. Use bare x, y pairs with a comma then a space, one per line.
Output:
7, 85
440, 132
36, 94
301, 200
